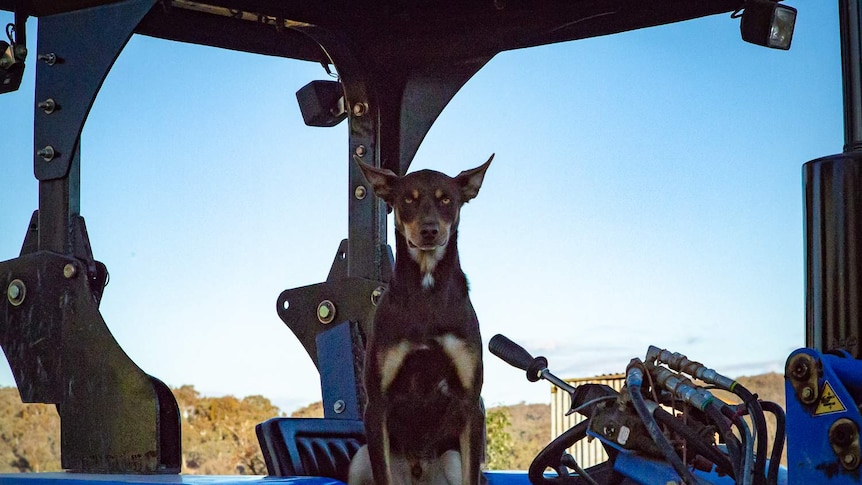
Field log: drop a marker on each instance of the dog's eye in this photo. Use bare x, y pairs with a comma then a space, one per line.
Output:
445, 201
408, 200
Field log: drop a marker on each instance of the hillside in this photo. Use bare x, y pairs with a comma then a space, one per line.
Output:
218, 432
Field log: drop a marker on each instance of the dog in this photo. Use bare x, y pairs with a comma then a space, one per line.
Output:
424, 419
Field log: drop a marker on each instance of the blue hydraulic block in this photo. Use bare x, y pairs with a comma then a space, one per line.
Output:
823, 392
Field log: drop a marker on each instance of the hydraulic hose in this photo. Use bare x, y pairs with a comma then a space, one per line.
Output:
778, 443
634, 381
681, 363
696, 441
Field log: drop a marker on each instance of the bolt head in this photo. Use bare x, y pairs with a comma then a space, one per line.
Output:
360, 192
15, 292
801, 370
339, 406
326, 312
69, 271
806, 394
376, 294
359, 109
360, 151
47, 153
48, 106
842, 434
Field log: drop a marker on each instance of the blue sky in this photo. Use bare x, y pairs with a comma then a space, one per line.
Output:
646, 189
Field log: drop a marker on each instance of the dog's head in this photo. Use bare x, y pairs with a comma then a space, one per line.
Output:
427, 205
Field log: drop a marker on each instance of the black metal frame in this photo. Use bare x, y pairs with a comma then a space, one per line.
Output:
399, 65
833, 214
114, 417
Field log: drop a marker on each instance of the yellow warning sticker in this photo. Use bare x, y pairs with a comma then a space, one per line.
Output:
829, 402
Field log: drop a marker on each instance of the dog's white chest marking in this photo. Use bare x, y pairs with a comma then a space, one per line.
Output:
456, 349
427, 261
463, 358
391, 362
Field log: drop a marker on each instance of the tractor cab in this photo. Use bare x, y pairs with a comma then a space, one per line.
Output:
398, 65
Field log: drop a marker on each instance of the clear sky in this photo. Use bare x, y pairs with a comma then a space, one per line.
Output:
646, 190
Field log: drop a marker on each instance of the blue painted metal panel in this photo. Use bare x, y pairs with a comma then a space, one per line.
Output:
62, 478
337, 380
810, 457
650, 472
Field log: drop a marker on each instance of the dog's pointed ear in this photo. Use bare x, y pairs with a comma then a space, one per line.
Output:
471, 180
382, 180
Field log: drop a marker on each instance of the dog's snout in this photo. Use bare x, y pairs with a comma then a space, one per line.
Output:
429, 231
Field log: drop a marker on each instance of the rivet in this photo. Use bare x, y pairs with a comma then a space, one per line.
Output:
360, 151
48, 106
359, 109
16, 292
360, 192
49, 58
338, 407
69, 271
326, 312
47, 153
807, 394
376, 294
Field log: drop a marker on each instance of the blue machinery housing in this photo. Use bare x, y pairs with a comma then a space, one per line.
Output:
399, 65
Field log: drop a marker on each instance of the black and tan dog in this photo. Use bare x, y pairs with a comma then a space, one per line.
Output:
423, 363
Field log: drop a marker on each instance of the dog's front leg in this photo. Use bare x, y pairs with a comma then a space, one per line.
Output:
378, 445
472, 441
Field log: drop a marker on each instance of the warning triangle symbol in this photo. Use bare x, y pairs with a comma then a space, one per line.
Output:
829, 402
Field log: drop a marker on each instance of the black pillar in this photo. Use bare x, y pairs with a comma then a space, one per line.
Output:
833, 214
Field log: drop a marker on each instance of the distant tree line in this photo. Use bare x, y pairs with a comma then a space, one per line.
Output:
218, 435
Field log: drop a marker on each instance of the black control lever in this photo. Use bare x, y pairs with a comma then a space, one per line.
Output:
537, 368
515, 355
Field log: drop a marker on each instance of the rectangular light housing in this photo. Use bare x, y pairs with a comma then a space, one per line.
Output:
768, 23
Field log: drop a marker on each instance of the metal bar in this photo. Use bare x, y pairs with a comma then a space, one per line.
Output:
833, 214
851, 65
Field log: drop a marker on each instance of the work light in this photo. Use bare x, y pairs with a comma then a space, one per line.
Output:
768, 23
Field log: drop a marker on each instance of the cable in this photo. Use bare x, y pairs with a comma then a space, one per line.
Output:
634, 381
777, 443
734, 447
691, 437
569, 461
747, 444
591, 402
752, 404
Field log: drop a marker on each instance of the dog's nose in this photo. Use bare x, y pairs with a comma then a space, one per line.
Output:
429, 231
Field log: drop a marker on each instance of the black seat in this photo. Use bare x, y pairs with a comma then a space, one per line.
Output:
310, 446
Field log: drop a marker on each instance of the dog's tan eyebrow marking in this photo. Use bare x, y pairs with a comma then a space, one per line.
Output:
438, 193
390, 364
463, 358
415, 193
